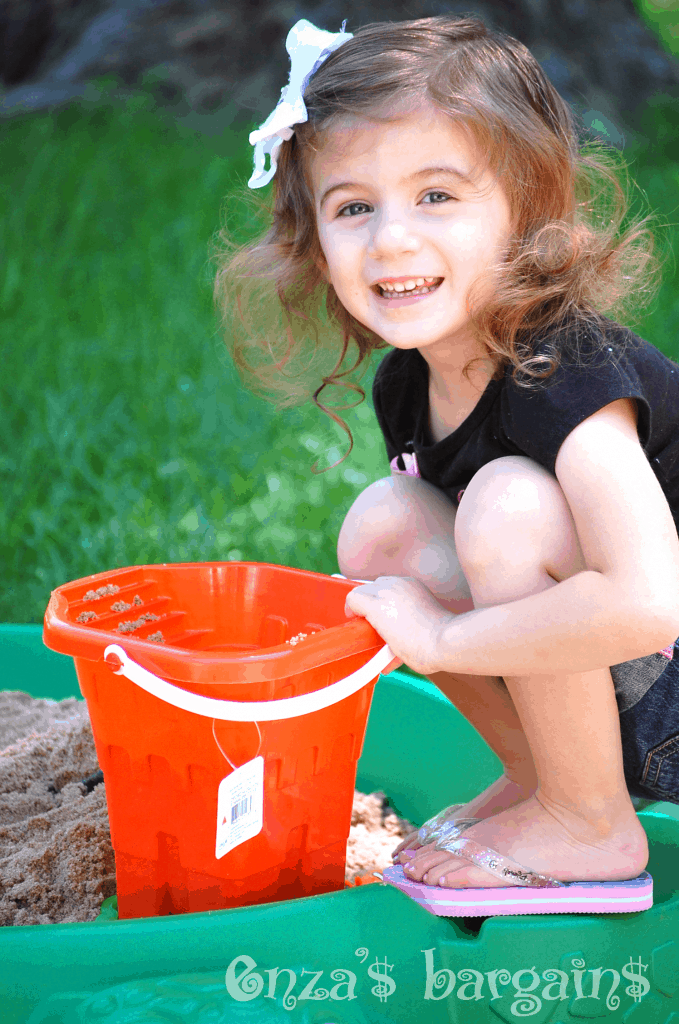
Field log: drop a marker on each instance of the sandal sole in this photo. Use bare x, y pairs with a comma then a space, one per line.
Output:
632, 895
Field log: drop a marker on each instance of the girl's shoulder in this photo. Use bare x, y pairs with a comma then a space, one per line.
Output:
587, 351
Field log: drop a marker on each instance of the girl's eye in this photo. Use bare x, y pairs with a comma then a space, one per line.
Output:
357, 209
347, 210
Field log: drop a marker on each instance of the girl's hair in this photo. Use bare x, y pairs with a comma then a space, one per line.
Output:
563, 258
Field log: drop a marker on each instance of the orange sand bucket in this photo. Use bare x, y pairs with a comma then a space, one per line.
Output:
229, 753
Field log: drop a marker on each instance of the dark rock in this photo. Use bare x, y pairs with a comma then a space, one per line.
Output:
26, 27
92, 780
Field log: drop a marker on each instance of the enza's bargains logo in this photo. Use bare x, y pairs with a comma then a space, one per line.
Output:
527, 989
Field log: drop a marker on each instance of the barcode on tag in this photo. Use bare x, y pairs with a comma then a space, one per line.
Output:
240, 806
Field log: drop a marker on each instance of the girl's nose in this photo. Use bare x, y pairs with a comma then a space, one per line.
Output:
392, 236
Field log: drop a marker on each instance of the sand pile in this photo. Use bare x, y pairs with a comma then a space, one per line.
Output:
56, 859
375, 831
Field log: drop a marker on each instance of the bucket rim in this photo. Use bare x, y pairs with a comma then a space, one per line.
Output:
186, 665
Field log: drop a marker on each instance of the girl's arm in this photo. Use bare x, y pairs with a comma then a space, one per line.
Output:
625, 605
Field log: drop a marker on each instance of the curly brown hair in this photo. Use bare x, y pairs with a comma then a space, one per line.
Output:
565, 256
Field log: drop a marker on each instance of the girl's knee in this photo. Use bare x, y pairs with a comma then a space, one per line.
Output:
508, 490
514, 484
515, 510
376, 520
388, 518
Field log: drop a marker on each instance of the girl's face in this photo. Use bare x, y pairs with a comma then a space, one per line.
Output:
396, 209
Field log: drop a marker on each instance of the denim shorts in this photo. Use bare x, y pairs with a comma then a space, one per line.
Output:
649, 725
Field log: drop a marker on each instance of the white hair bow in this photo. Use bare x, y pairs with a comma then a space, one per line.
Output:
308, 47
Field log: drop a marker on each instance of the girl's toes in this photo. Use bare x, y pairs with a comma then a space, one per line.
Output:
448, 872
415, 869
418, 867
408, 845
451, 876
411, 842
417, 855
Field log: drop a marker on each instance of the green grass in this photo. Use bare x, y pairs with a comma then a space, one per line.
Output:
126, 435
662, 18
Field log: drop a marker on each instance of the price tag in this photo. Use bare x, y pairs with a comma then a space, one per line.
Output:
240, 805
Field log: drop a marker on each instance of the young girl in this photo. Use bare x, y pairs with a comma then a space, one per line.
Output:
430, 187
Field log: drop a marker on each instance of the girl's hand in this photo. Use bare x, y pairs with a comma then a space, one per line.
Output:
407, 617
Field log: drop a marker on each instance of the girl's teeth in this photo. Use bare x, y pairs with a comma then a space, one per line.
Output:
421, 286
408, 285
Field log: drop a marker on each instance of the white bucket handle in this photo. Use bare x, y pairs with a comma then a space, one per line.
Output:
249, 711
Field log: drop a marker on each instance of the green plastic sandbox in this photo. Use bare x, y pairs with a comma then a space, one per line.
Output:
367, 954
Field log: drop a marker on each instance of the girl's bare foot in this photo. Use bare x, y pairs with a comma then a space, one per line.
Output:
500, 795
550, 840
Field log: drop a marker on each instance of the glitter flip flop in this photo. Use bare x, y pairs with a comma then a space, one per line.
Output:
528, 893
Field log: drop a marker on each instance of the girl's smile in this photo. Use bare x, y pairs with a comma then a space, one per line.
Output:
406, 290
407, 225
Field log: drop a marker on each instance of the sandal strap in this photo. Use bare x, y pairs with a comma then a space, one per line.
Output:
451, 829
510, 871
441, 824
445, 815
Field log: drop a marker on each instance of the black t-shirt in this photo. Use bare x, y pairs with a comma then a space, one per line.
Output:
512, 420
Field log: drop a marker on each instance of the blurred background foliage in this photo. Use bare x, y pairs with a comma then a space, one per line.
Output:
126, 435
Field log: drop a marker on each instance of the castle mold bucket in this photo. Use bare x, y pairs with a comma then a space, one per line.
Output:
229, 753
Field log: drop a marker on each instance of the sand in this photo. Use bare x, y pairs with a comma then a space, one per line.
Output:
56, 860
375, 831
